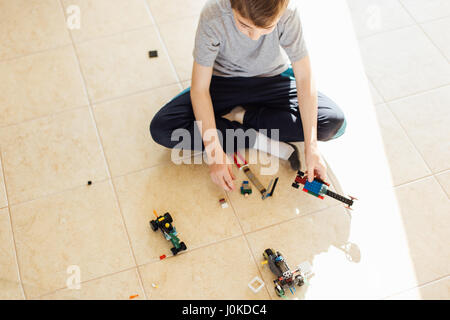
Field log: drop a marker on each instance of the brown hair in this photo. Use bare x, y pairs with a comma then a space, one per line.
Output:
261, 12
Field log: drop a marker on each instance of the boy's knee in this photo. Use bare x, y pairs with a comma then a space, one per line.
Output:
332, 127
158, 131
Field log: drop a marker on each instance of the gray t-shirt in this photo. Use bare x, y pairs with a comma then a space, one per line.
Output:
220, 44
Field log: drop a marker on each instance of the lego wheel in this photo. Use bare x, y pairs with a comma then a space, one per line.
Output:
168, 217
153, 225
174, 251
295, 185
267, 253
279, 291
182, 246
299, 280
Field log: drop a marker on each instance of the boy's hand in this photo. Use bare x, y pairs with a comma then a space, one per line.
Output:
221, 169
315, 165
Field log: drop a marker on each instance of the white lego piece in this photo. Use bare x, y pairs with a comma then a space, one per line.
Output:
256, 279
305, 268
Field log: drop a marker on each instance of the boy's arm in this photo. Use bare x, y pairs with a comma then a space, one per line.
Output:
221, 172
308, 105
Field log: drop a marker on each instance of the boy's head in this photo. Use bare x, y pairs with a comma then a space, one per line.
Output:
256, 18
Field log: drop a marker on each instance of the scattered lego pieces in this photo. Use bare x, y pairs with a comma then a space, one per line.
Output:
153, 54
162, 257
223, 203
134, 296
246, 189
89, 183
256, 280
154, 285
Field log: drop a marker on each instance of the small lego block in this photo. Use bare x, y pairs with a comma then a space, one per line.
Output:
305, 268
264, 262
134, 296
89, 183
153, 54
255, 280
154, 285
223, 203
162, 257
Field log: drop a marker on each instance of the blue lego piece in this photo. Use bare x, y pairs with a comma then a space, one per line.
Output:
314, 186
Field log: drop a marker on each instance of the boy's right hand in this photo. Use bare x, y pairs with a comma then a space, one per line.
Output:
221, 170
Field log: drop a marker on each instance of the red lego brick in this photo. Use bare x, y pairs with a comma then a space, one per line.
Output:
162, 257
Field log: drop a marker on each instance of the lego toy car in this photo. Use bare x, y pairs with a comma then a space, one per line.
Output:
164, 223
246, 189
285, 277
319, 188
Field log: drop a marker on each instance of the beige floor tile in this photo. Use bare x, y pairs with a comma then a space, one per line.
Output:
107, 17
179, 37
165, 11
439, 290
427, 10
28, 26
376, 98
255, 213
39, 85
9, 277
417, 64
186, 84
219, 271
424, 207
124, 129
51, 154
82, 227
405, 162
119, 65
120, 286
373, 16
444, 180
425, 117
440, 37
3, 199
188, 194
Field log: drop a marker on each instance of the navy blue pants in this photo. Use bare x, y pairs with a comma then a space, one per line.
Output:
270, 103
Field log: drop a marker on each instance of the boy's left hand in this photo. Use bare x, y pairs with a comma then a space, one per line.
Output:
315, 164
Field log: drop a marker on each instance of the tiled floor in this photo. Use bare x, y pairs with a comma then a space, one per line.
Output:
75, 107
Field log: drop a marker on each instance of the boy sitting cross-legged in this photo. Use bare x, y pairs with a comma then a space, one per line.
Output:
240, 80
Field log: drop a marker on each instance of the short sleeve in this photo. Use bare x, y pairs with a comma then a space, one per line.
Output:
207, 44
291, 36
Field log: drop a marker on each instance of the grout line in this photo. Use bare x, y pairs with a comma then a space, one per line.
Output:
19, 276
377, 33
166, 51
419, 24
35, 52
104, 155
84, 282
248, 244
425, 284
442, 186
414, 94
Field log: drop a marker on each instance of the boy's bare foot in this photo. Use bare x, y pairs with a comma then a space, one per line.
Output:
237, 114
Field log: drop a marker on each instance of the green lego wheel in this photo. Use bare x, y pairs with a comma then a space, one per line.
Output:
279, 291
168, 217
154, 225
